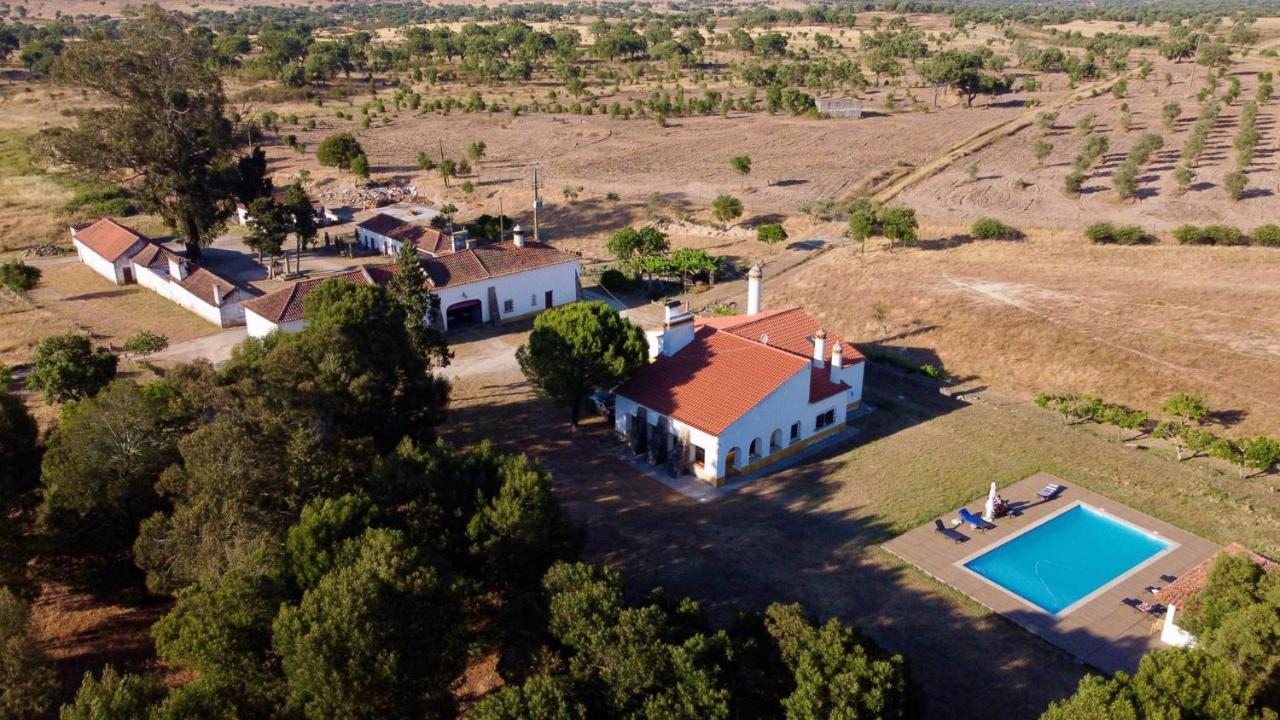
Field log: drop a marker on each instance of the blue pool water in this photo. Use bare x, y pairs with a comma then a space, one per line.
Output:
1056, 563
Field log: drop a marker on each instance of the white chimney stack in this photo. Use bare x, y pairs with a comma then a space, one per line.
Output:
517, 236
217, 294
820, 348
677, 329
754, 278
837, 357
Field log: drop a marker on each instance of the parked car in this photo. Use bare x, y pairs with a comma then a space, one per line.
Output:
602, 401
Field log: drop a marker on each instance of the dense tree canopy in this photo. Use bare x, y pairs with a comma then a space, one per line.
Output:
577, 348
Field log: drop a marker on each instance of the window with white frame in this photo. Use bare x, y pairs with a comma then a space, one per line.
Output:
699, 455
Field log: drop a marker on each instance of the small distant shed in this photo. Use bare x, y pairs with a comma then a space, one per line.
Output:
839, 107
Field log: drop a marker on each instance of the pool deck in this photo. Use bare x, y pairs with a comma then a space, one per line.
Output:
1100, 631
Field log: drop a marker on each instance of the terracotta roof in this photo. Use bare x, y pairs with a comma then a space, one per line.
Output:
483, 262
713, 381
286, 304
821, 387
154, 254
425, 238
1190, 583
788, 329
108, 238
200, 282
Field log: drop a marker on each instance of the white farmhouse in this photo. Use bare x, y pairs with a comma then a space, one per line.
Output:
196, 289
727, 395
386, 234
483, 284
124, 256
107, 247
1178, 593
490, 284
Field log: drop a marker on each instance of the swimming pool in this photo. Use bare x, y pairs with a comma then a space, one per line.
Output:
1066, 558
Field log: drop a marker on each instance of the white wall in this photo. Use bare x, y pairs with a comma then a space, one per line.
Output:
1173, 635
786, 405
231, 313
526, 291
111, 271
156, 281
381, 243
852, 374
623, 408
257, 325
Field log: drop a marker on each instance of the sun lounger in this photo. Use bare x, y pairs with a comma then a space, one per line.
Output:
1144, 607
1050, 492
947, 532
973, 521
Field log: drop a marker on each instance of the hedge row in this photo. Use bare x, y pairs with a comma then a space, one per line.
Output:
1105, 233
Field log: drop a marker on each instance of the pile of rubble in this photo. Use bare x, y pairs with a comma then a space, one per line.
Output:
369, 196
43, 250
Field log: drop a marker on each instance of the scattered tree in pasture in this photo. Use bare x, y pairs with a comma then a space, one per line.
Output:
360, 166
1042, 149
726, 208
339, 150
1189, 407
164, 123
899, 225
741, 164
628, 244
862, 220
578, 348
771, 233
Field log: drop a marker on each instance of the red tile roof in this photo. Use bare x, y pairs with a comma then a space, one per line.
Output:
1190, 583
713, 381
483, 262
788, 329
821, 387
154, 254
200, 282
425, 238
286, 304
108, 238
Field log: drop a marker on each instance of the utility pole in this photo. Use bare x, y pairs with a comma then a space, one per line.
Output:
442, 173
502, 224
537, 203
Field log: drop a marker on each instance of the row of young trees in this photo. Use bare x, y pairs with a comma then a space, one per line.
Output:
1183, 429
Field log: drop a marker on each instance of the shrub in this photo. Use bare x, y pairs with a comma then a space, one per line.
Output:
726, 208
992, 229
1268, 235
1188, 235
1235, 183
18, 277
1105, 233
614, 280
1223, 235
771, 233
1073, 183
360, 166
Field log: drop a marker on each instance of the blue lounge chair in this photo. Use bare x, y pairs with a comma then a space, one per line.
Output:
1050, 492
947, 532
973, 521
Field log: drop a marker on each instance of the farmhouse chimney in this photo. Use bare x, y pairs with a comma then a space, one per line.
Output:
820, 348
217, 294
754, 278
837, 357
677, 330
517, 236
177, 268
